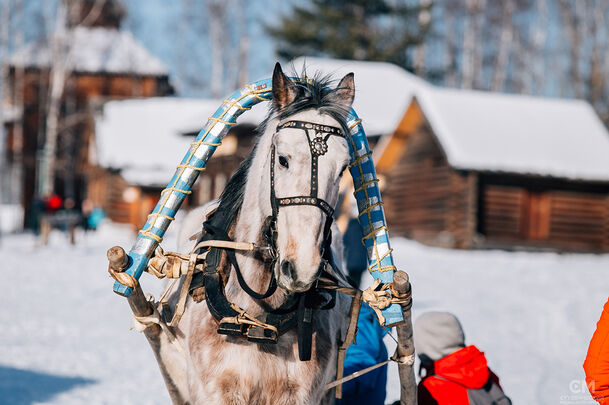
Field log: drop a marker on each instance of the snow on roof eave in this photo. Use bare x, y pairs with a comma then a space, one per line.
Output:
449, 143
383, 90
96, 50
584, 178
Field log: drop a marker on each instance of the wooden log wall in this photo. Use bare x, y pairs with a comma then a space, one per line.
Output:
502, 214
579, 220
571, 220
426, 199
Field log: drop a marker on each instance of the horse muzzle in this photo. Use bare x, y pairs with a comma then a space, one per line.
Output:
288, 278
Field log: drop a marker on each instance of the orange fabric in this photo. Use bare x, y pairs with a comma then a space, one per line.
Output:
596, 365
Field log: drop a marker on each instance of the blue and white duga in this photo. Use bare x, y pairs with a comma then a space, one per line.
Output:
365, 181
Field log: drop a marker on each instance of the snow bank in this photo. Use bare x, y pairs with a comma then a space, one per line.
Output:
533, 314
65, 336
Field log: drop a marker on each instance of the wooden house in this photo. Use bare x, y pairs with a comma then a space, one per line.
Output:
104, 62
472, 169
138, 144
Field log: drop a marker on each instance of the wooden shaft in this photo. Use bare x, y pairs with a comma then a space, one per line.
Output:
117, 257
408, 392
140, 306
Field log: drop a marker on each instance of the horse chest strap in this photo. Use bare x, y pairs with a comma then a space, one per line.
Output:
306, 308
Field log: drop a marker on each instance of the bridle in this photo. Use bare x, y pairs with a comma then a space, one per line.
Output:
318, 146
298, 310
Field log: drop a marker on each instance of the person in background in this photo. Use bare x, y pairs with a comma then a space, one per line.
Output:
356, 257
370, 388
452, 373
95, 218
596, 364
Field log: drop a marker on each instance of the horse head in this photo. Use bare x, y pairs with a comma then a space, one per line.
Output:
308, 154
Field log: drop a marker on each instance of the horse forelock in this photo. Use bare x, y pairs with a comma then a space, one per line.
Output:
315, 93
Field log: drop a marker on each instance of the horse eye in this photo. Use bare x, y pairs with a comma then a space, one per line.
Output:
283, 161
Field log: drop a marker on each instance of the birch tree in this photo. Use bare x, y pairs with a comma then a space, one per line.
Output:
243, 39
217, 12
423, 19
4, 39
539, 38
472, 44
60, 69
504, 48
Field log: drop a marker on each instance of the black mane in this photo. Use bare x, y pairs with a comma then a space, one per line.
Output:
318, 94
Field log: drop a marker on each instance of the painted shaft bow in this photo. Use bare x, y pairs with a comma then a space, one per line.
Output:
367, 193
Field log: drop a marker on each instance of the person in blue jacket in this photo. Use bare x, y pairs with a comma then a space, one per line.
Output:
370, 388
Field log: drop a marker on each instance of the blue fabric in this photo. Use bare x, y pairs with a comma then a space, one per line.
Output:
368, 389
95, 218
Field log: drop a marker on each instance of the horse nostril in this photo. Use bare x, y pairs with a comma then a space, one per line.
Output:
287, 268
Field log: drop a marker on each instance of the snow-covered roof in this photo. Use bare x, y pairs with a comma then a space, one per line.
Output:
96, 50
383, 91
145, 137
486, 131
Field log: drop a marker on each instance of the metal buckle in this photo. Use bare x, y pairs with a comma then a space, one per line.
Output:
259, 334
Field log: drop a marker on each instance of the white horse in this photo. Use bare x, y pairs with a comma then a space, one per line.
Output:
281, 198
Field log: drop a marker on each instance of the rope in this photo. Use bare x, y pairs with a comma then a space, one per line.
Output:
181, 305
355, 375
125, 279
243, 318
405, 360
174, 265
381, 295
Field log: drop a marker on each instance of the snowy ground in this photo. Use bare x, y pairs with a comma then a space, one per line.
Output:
65, 338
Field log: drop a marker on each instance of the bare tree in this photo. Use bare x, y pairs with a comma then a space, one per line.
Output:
18, 85
217, 36
243, 38
4, 40
423, 19
539, 38
450, 45
505, 46
472, 43
572, 17
60, 69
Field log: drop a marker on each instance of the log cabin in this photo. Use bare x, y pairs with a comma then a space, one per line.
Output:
105, 62
470, 169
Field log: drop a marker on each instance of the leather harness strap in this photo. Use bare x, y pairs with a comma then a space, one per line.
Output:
301, 307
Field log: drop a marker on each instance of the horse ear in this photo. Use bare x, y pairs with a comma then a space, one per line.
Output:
284, 91
345, 91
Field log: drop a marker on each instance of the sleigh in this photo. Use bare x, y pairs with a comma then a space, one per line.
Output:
389, 296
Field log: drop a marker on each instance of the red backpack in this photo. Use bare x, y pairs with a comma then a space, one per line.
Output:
461, 378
